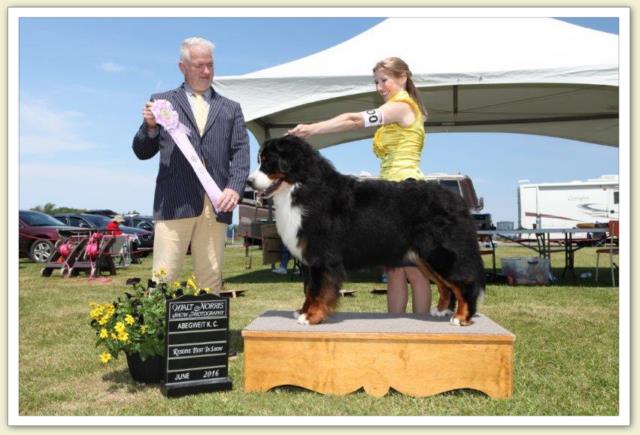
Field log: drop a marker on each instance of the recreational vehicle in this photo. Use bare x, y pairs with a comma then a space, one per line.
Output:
565, 205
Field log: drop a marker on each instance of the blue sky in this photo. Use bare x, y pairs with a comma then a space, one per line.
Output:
83, 82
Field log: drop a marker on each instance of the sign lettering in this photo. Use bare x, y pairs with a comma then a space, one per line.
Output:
197, 345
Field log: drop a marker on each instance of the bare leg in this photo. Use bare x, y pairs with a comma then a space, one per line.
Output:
397, 290
421, 290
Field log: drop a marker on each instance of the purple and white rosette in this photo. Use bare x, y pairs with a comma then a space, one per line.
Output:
168, 118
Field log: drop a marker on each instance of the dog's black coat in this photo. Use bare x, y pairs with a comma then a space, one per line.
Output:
348, 223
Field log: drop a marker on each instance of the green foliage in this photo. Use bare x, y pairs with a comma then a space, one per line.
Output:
50, 208
135, 323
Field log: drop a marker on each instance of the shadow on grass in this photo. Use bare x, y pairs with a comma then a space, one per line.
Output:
392, 392
604, 277
261, 276
464, 392
581, 277
121, 379
266, 276
236, 343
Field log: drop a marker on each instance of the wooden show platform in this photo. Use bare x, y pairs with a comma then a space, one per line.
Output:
415, 355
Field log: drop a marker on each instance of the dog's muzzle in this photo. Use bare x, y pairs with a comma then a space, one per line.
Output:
258, 186
265, 194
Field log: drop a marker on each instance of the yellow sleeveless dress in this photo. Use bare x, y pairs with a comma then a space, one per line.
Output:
399, 148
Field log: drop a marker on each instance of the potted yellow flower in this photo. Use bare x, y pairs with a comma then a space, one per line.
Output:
135, 324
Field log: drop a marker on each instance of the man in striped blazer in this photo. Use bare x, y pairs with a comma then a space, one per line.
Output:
183, 212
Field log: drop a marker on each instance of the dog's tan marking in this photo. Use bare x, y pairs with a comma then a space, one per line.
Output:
443, 302
307, 302
276, 176
462, 312
319, 308
302, 244
461, 315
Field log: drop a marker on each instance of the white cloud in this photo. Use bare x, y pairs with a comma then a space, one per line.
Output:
111, 67
46, 129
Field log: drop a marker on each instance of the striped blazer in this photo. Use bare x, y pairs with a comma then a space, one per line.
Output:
223, 148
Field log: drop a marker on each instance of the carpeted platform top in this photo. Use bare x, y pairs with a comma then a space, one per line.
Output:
344, 322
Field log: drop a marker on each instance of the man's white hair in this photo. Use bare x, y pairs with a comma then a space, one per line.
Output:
191, 42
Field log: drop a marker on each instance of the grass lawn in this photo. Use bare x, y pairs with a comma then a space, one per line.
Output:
566, 349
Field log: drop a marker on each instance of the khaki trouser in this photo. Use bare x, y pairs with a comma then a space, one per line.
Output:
207, 237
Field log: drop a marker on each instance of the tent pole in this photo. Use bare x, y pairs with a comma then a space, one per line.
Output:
455, 100
267, 136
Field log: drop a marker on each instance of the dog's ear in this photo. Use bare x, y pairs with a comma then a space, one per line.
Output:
290, 150
283, 166
264, 145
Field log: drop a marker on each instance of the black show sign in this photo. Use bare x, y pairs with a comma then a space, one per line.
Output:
197, 345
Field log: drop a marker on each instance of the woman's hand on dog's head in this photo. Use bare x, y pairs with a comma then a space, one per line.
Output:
301, 130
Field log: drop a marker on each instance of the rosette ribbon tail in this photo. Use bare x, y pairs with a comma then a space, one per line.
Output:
167, 117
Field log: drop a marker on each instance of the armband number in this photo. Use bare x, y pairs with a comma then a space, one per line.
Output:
372, 117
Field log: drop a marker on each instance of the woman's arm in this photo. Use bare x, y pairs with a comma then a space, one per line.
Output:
344, 122
397, 112
391, 112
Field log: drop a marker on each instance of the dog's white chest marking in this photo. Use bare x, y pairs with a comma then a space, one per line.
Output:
288, 220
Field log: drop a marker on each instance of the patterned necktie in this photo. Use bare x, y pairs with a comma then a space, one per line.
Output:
201, 112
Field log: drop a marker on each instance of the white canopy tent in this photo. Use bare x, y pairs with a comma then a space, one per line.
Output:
519, 75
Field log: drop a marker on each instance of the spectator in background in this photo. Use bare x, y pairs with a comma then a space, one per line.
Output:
285, 256
113, 227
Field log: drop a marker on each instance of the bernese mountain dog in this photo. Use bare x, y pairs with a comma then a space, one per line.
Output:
333, 223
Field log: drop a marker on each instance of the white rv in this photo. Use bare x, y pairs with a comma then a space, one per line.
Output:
564, 205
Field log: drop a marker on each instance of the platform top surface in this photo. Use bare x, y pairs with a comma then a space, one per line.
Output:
346, 322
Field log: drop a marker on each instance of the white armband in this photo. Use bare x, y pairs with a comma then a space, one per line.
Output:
372, 117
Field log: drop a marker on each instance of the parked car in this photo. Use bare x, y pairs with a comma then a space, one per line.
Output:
99, 222
103, 212
139, 221
39, 232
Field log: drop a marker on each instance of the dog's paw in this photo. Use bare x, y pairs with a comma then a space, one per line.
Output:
444, 313
302, 319
460, 322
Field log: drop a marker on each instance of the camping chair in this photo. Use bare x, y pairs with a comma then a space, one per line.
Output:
85, 262
75, 247
94, 262
609, 248
120, 251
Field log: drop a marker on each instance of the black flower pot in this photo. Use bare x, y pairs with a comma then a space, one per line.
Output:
149, 371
